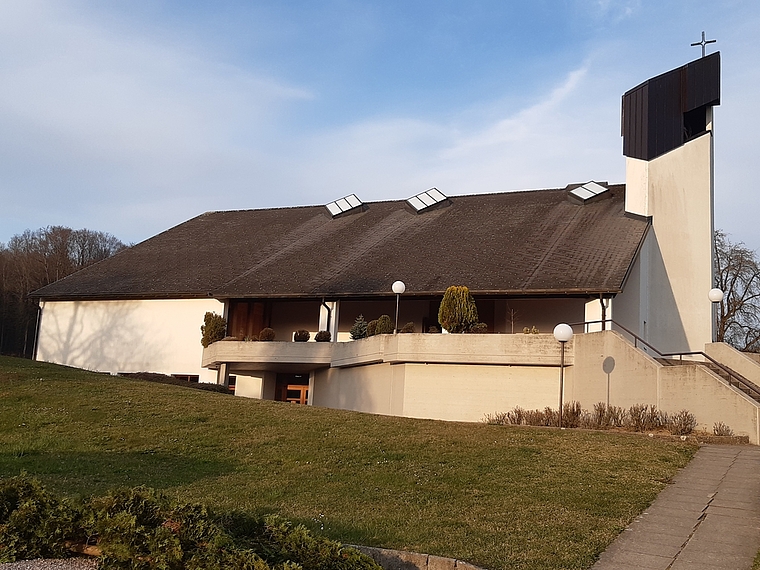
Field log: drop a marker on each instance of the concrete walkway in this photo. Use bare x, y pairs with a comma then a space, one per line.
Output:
708, 518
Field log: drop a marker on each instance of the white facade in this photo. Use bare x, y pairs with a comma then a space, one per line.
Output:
160, 336
665, 298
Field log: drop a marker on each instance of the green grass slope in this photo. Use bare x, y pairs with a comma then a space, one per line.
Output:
496, 496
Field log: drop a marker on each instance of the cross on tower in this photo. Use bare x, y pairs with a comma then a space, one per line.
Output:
703, 43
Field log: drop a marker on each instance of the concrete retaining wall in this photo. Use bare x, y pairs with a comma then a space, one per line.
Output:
401, 560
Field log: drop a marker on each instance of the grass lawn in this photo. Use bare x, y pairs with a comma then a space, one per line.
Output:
495, 496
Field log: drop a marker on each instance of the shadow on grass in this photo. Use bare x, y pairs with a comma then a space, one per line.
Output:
87, 473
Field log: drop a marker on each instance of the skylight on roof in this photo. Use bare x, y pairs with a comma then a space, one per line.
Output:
426, 199
343, 205
587, 191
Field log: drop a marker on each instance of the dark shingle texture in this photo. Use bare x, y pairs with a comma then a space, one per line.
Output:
535, 242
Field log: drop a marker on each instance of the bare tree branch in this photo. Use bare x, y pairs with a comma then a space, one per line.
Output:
737, 274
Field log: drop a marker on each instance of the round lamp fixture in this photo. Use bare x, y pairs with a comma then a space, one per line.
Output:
563, 332
398, 287
715, 295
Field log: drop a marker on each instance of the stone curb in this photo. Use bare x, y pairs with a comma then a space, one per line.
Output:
402, 560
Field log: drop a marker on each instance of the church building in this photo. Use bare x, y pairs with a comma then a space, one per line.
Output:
628, 265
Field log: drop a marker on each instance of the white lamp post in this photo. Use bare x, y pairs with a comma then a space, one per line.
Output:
563, 333
398, 288
716, 296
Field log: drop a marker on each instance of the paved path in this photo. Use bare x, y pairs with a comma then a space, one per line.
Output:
709, 518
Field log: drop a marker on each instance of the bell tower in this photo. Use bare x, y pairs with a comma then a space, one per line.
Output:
667, 129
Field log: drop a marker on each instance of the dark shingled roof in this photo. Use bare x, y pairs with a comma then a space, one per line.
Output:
520, 243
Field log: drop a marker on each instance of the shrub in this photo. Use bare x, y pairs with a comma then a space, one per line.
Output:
457, 312
478, 328
141, 529
301, 335
516, 416
34, 523
408, 327
636, 416
497, 419
530, 330
359, 328
214, 328
537, 418
571, 414
384, 325
434, 329
372, 328
615, 416
323, 336
164, 379
266, 334
682, 423
722, 429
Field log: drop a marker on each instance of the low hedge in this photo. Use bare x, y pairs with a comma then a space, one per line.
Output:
141, 529
164, 379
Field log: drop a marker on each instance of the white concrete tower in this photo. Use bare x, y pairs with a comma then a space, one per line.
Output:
667, 128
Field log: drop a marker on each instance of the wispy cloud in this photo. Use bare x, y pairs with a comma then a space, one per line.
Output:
119, 117
563, 137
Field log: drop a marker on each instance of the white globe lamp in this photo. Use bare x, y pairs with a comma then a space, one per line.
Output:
715, 295
563, 333
398, 287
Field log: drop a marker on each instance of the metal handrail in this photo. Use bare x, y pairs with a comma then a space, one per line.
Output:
740, 380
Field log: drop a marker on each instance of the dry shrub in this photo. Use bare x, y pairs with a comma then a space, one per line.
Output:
682, 423
535, 418
571, 415
516, 416
497, 419
722, 429
616, 416
639, 417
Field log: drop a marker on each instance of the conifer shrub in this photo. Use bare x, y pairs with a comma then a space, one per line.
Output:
359, 328
323, 336
372, 327
34, 523
408, 327
384, 325
266, 335
214, 328
301, 335
141, 529
457, 312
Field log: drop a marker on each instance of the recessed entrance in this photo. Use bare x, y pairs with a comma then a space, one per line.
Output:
292, 388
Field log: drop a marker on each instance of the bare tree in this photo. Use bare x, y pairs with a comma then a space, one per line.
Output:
737, 274
34, 259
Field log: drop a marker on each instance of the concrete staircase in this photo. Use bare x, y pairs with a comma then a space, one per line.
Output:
731, 377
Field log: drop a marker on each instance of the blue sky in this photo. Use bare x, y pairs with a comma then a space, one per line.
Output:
130, 117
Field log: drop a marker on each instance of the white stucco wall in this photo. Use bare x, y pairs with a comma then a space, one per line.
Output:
676, 270
465, 377
452, 392
126, 336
